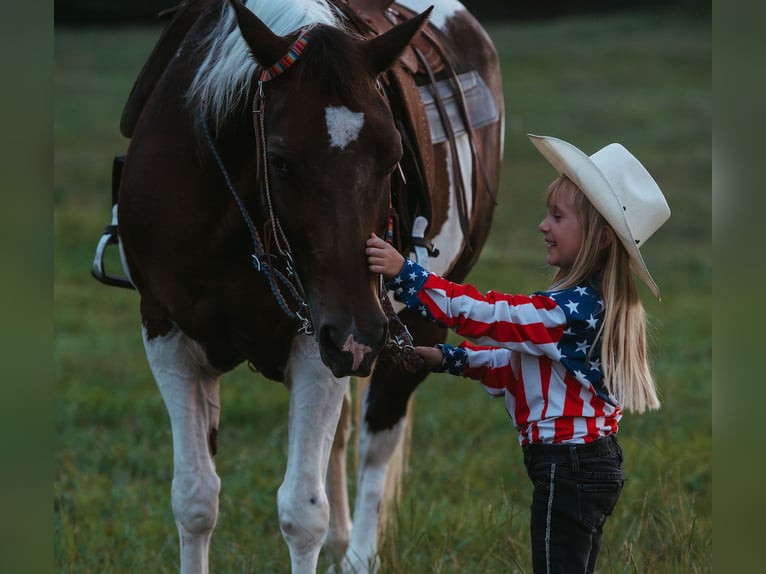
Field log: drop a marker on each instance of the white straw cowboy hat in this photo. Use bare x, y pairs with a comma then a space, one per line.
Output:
619, 187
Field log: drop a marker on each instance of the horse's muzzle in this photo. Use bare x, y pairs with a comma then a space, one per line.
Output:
349, 351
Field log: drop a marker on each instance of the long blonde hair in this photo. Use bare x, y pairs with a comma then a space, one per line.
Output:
623, 332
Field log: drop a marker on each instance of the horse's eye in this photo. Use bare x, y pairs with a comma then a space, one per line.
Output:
279, 164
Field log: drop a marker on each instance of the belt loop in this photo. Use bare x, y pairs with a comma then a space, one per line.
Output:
573, 460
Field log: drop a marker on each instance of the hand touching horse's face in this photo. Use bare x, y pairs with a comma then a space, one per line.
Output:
330, 149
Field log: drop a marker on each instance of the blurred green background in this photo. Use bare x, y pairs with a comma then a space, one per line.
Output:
642, 78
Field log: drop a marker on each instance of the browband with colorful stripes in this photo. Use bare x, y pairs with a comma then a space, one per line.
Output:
288, 59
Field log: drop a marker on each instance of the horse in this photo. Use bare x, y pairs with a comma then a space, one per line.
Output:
266, 143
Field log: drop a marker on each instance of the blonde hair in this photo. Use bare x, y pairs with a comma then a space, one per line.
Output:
623, 332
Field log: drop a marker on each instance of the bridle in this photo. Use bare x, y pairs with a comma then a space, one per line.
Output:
399, 337
262, 256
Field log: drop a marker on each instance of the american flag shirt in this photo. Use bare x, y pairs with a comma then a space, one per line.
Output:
537, 351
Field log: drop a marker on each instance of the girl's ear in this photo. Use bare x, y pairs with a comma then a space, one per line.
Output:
607, 236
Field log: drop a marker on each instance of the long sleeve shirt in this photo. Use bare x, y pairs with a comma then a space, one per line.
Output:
540, 352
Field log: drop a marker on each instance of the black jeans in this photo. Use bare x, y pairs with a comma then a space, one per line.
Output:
575, 488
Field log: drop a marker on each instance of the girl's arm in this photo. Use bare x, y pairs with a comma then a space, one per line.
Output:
490, 365
383, 258
529, 324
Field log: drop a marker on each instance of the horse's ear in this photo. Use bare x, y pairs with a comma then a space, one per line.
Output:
383, 50
265, 46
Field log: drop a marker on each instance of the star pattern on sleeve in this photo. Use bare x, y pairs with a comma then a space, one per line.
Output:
572, 306
580, 349
454, 359
580, 376
408, 283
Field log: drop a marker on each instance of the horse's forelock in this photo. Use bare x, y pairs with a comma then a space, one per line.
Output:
222, 80
330, 59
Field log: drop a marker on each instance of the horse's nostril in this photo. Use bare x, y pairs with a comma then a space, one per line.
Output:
330, 336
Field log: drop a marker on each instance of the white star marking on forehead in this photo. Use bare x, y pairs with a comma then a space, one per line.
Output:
343, 125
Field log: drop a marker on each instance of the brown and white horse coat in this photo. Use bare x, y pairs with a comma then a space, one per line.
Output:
316, 175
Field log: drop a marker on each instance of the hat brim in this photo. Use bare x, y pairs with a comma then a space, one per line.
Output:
567, 160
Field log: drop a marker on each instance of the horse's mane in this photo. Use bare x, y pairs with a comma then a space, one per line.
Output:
222, 80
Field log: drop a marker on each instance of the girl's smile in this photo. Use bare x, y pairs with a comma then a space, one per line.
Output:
562, 231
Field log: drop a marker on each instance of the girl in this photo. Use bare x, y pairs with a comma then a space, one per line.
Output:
566, 360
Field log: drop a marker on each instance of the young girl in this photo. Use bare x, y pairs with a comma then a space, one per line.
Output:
567, 360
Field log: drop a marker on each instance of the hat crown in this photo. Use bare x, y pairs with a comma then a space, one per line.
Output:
640, 198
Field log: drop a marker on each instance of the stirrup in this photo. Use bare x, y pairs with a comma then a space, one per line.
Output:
423, 249
110, 236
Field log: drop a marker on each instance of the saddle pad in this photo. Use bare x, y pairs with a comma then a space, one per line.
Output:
481, 107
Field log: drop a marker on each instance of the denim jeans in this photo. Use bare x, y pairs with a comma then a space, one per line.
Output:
575, 488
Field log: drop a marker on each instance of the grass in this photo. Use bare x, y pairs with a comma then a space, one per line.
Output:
642, 79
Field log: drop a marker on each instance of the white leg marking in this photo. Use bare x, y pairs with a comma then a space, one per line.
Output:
339, 533
315, 404
190, 389
343, 125
375, 453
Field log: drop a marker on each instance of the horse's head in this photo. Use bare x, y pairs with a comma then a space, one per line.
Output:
330, 149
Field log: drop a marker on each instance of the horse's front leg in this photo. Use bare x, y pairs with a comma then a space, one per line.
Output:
315, 404
376, 451
339, 532
384, 425
190, 390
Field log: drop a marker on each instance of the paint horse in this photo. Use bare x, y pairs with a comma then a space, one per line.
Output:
267, 143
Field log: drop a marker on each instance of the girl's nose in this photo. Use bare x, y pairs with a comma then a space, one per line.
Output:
541, 225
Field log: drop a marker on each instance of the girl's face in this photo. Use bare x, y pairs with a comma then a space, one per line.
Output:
562, 230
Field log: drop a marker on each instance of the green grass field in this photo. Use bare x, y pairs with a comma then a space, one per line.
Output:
643, 80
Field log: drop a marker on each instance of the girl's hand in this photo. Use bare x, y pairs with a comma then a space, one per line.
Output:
431, 355
383, 258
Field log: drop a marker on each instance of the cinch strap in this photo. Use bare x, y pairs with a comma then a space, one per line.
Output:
288, 59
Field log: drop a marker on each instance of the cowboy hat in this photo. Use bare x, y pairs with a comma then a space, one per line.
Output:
619, 187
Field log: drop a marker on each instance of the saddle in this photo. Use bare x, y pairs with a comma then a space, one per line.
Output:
435, 104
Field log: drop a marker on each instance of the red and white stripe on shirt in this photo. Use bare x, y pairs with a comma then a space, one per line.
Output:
534, 350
